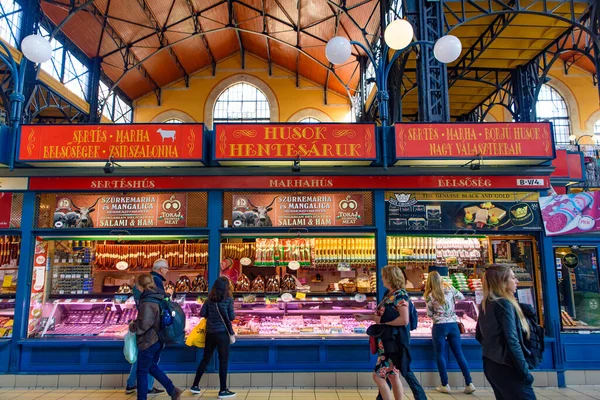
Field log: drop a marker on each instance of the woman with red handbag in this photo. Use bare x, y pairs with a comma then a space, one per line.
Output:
391, 335
441, 298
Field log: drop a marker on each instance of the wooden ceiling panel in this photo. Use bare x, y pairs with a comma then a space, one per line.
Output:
127, 18
255, 44
192, 53
325, 30
223, 44
312, 71
281, 31
285, 10
145, 48
162, 68
248, 19
283, 55
312, 13
135, 84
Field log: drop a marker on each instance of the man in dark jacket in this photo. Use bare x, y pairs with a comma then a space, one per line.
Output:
146, 327
160, 269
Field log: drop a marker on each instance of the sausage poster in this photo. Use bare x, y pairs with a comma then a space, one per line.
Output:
571, 213
127, 210
297, 209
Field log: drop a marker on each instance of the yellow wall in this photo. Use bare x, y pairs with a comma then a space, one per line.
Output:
290, 99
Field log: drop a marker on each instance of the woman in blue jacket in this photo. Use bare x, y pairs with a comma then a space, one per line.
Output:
502, 330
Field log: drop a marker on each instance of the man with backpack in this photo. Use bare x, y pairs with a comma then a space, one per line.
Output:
149, 328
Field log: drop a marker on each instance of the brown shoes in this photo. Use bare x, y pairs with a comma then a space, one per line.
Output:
176, 394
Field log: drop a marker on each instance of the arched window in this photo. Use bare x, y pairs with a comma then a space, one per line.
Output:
309, 120
597, 128
242, 102
552, 107
173, 121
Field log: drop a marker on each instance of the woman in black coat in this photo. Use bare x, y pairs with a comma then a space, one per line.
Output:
502, 330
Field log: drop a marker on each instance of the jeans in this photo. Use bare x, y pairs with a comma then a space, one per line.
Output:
449, 333
507, 383
220, 341
148, 364
131, 381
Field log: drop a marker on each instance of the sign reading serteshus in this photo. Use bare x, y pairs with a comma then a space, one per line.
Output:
127, 210
297, 209
480, 211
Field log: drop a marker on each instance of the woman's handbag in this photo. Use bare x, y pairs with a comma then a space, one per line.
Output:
130, 349
197, 337
231, 335
461, 328
373, 344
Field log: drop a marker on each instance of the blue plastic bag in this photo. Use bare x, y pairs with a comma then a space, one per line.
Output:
130, 349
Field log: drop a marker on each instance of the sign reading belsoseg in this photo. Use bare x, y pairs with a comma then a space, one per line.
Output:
133, 210
298, 209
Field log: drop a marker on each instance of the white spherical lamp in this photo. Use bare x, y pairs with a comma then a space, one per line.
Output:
447, 49
36, 49
338, 50
398, 34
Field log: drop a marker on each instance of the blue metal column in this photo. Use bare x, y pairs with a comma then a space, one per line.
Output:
24, 280
552, 305
94, 89
215, 211
380, 239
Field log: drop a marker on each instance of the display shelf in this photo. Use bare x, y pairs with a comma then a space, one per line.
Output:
113, 271
8, 295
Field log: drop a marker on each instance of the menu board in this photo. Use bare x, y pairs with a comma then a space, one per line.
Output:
478, 211
571, 213
297, 209
127, 210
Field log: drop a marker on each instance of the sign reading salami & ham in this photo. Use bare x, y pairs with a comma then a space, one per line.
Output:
297, 209
130, 142
473, 141
128, 210
306, 142
571, 213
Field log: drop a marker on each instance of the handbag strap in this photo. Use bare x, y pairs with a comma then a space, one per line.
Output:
222, 319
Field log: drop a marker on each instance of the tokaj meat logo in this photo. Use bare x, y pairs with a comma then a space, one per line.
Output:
348, 212
171, 211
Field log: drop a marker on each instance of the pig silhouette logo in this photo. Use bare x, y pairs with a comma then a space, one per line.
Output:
167, 134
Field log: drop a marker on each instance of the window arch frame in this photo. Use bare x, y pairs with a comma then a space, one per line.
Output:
556, 100
238, 98
231, 80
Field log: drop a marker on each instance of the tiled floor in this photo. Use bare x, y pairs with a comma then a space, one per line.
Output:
575, 392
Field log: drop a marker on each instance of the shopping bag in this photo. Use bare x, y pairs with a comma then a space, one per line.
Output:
197, 337
130, 349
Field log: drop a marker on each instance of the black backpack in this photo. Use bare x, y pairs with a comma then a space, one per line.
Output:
413, 320
172, 326
535, 342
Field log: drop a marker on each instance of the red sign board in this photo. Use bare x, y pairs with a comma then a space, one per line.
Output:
467, 141
125, 210
287, 182
568, 165
5, 209
302, 209
127, 142
277, 142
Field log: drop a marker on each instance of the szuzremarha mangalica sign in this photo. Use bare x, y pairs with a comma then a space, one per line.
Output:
235, 143
123, 142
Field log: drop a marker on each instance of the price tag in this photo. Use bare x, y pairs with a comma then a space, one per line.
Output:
360, 298
7, 282
340, 298
80, 300
300, 295
11, 300
327, 298
86, 276
93, 300
314, 299
478, 296
68, 300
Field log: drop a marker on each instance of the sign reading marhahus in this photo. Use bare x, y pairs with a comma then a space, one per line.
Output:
503, 142
130, 142
286, 142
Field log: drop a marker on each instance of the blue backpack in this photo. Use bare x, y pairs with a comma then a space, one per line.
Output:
413, 320
172, 326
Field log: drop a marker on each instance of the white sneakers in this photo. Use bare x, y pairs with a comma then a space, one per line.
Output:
446, 389
443, 389
470, 388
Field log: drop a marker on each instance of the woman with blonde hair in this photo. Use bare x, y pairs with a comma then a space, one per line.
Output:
502, 330
440, 298
393, 357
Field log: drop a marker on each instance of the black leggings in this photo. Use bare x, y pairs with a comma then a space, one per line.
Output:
505, 381
220, 341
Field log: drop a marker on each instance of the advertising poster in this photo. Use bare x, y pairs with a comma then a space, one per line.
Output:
37, 284
298, 209
133, 210
5, 209
478, 211
571, 213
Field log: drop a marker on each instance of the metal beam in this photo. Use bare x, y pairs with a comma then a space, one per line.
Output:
298, 46
94, 89
198, 28
233, 24
162, 37
266, 33
337, 14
